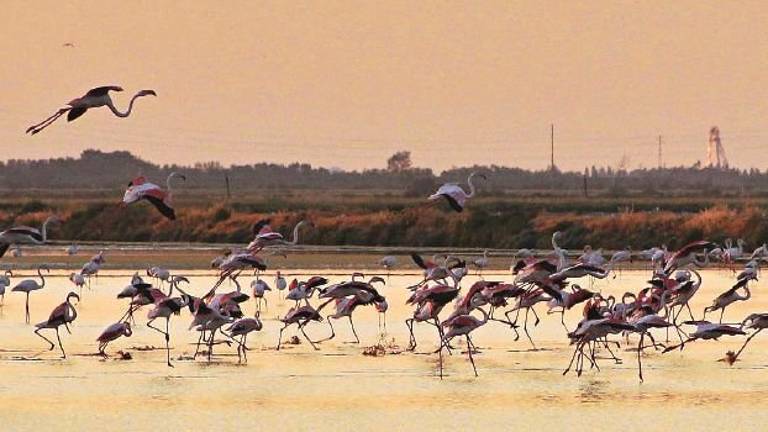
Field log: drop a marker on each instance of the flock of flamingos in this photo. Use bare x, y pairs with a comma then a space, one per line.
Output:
439, 299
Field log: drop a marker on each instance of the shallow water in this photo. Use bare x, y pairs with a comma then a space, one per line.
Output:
338, 388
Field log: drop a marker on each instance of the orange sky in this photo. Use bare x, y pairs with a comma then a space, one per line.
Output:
347, 83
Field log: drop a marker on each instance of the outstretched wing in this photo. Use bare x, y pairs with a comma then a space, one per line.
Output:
101, 91
259, 225
161, 206
418, 260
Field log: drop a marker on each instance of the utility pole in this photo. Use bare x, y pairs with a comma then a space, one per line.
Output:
660, 164
552, 147
226, 180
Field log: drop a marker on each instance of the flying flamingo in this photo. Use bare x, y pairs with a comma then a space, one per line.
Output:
265, 237
114, 331
28, 285
95, 98
455, 195
63, 314
139, 188
25, 235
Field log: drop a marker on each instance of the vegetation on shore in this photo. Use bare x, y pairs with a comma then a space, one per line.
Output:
382, 220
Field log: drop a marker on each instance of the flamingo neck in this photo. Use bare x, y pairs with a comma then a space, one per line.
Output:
471, 184
295, 239
42, 278
116, 112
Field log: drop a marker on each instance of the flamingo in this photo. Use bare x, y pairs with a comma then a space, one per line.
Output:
300, 316
259, 287
687, 255
28, 285
16, 252
159, 273
63, 314
114, 331
455, 195
72, 249
461, 325
587, 333
755, 321
560, 253
481, 262
348, 296
727, 298
165, 307
94, 98
265, 237
91, 268
78, 280
642, 325
242, 328
25, 235
139, 188
733, 253
280, 283
5, 281
388, 262
429, 301
760, 252
706, 330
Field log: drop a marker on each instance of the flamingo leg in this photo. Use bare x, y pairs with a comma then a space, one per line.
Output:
47, 122
63, 354
280, 337
746, 342
640, 356
471, 359
525, 328
27, 307
168, 341
412, 342
37, 332
301, 327
333, 332
354, 332
573, 357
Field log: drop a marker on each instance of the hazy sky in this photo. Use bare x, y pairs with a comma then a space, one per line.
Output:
347, 83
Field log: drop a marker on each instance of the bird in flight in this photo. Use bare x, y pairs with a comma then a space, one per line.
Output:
96, 97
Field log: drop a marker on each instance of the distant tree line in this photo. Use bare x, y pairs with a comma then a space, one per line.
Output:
95, 169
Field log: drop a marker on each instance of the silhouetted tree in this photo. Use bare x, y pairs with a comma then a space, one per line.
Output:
399, 162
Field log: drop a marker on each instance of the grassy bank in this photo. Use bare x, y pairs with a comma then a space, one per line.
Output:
384, 218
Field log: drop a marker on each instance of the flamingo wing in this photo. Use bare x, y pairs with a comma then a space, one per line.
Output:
419, 261
162, 207
102, 91
453, 194
75, 113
